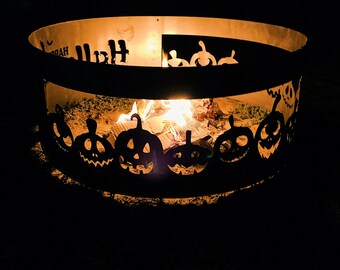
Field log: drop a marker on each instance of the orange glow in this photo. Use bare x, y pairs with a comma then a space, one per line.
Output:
179, 111
175, 111
126, 117
165, 61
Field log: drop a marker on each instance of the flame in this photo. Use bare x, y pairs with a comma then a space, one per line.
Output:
179, 111
176, 111
165, 63
126, 117
165, 60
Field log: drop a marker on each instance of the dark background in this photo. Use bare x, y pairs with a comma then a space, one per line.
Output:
292, 222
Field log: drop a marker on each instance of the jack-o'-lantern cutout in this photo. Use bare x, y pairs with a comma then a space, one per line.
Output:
202, 58
92, 148
228, 60
290, 127
270, 132
138, 150
59, 130
234, 144
291, 122
187, 159
288, 94
176, 62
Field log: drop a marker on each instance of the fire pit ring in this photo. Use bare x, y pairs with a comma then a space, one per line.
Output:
167, 108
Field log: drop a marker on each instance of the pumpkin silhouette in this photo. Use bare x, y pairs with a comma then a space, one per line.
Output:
270, 131
234, 144
94, 149
139, 150
290, 128
228, 60
59, 131
176, 62
188, 158
288, 94
203, 58
291, 122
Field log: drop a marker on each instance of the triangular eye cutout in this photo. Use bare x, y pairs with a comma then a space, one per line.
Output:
146, 148
130, 144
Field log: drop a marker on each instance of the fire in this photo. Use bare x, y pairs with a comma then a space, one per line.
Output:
176, 111
168, 119
179, 111
165, 60
162, 117
126, 117
165, 63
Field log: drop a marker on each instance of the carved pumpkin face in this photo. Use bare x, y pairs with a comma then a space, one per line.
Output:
59, 130
269, 134
270, 131
288, 94
139, 151
234, 144
94, 149
187, 159
291, 122
290, 128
